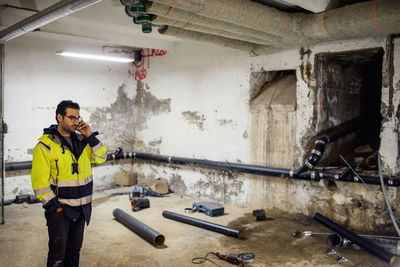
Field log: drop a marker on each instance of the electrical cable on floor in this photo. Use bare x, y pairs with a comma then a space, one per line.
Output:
366, 186
200, 260
389, 208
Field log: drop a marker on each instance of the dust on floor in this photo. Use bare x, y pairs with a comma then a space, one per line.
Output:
23, 238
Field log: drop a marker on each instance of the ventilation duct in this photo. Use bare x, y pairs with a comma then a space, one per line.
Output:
259, 29
52, 13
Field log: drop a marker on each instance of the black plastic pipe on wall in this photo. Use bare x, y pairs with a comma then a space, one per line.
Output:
266, 171
243, 168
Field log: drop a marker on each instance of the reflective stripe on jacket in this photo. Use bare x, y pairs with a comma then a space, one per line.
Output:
53, 179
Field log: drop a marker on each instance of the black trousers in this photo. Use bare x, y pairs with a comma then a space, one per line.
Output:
65, 239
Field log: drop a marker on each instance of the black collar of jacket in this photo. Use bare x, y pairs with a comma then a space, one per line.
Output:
78, 141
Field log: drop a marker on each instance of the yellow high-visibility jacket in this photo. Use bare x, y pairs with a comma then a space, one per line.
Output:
61, 172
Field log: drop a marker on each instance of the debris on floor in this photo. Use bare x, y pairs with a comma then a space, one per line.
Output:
108, 243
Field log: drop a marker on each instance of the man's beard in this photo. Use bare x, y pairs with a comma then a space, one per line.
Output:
67, 129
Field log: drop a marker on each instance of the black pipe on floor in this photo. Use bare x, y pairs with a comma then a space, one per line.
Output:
356, 239
138, 227
243, 168
203, 224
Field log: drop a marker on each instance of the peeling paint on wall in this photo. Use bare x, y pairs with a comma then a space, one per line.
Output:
177, 184
195, 118
121, 122
155, 142
225, 122
307, 72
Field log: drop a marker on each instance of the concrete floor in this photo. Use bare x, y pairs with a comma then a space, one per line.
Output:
23, 238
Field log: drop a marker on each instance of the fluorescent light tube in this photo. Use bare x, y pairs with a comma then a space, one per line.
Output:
95, 57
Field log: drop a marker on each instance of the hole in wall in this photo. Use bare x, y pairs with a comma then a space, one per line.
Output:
330, 185
348, 87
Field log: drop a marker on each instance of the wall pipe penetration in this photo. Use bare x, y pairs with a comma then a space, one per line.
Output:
331, 135
346, 176
203, 224
372, 248
140, 228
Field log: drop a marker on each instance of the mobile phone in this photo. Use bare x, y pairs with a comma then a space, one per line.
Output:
80, 123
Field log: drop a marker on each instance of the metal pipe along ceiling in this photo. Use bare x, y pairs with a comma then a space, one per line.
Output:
277, 30
52, 13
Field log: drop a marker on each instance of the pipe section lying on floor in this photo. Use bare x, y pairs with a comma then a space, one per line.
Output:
244, 168
390, 245
138, 227
356, 239
203, 224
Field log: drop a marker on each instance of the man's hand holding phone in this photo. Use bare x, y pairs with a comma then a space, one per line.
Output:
84, 128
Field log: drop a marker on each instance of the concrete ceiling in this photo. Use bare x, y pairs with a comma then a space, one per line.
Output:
106, 21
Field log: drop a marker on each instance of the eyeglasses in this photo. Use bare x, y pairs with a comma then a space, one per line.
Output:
73, 118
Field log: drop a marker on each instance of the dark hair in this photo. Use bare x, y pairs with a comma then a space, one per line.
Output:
62, 107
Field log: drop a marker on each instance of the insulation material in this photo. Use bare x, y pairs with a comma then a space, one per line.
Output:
240, 12
253, 49
165, 14
284, 30
205, 29
372, 18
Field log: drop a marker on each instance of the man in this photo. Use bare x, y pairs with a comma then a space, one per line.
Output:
62, 180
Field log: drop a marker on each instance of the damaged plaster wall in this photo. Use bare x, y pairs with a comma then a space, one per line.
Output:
36, 80
200, 93
194, 102
350, 204
390, 110
122, 121
208, 120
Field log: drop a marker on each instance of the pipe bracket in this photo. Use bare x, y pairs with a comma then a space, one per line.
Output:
309, 165
316, 152
320, 142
